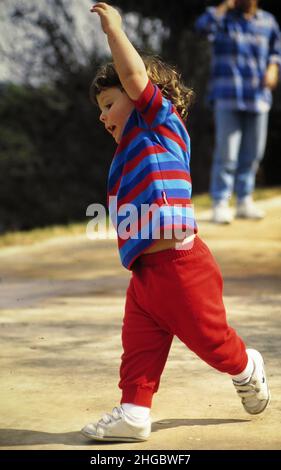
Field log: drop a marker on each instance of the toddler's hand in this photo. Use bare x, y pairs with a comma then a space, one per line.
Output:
109, 16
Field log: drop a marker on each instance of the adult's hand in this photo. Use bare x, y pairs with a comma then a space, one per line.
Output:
271, 76
225, 6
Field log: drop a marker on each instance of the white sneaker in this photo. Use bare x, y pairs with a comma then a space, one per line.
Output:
117, 427
255, 394
246, 209
222, 214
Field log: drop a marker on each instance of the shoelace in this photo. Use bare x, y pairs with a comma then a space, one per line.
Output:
114, 416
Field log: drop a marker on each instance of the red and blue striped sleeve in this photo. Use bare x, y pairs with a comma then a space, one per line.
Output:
153, 106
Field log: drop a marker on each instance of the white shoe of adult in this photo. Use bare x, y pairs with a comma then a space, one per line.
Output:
254, 394
222, 214
117, 427
247, 209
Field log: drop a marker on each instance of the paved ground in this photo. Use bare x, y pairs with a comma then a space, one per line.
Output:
62, 304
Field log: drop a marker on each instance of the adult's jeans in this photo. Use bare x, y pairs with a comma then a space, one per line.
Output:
240, 144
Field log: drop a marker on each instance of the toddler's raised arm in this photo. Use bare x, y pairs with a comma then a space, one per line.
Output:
129, 65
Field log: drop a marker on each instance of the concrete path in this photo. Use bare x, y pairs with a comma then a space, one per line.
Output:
62, 304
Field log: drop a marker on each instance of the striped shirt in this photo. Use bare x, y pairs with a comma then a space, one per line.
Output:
242, 50
149, 184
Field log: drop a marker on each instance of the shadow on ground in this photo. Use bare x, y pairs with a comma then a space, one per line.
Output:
25, 437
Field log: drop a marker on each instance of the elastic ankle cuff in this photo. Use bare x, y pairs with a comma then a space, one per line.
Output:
137, 396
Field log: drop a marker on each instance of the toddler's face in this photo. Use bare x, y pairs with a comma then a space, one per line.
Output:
116, 107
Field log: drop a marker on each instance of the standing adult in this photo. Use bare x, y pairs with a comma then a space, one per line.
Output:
246, 56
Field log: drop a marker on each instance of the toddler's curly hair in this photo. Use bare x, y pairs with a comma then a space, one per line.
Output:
166, 77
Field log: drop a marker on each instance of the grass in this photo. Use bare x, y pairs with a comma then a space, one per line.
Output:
200, 201
29, 237
203, 201
267, 193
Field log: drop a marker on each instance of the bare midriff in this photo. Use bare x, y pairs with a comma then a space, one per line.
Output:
164, 244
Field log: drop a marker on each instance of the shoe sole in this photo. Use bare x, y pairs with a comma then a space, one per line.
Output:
113, 438
248, 218
221, 222
262, 410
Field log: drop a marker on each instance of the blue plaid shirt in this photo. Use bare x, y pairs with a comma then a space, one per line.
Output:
242, 51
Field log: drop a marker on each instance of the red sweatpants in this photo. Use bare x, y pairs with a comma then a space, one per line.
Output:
174, 292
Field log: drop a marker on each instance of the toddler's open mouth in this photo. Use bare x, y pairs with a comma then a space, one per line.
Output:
111, 129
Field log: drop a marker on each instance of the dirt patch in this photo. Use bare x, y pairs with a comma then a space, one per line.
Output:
62, 305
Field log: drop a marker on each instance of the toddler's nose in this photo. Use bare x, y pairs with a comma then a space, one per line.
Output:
102, 117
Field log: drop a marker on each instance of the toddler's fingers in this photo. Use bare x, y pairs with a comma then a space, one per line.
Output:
98, 10
101, 5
